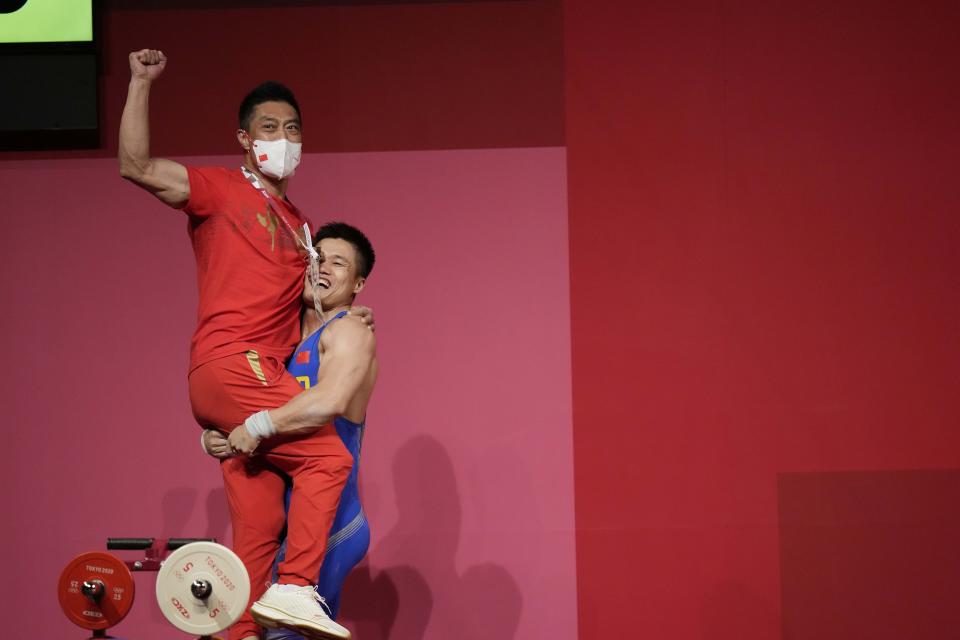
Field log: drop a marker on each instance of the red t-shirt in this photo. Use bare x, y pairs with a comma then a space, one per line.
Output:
250, 269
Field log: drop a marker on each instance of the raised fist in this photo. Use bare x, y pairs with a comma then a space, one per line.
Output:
147, 64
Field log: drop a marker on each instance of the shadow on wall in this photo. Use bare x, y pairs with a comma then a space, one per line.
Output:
218, 516
402, 601
177, 507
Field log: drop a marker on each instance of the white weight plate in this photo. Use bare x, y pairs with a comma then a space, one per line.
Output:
228, 579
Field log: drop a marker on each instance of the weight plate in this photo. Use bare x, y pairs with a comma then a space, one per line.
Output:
206, 562
116, 597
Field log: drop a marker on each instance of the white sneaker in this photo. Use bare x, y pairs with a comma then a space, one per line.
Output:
297, 608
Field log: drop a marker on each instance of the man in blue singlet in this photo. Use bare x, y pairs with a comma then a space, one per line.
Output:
346, 259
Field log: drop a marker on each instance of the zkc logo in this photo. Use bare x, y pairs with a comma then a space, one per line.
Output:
9, 6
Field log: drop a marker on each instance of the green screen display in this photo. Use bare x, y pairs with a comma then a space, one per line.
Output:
46, 21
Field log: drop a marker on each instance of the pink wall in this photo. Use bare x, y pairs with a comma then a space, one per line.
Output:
772, 189
467, 465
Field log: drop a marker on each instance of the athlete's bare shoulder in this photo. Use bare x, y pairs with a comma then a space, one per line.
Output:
348, 334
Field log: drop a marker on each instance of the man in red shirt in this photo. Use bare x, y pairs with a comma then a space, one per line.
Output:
251, 245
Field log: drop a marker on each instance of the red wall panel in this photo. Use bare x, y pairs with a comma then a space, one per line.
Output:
763, 279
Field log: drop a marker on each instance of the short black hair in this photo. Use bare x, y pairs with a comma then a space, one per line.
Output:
266, 92
344, 231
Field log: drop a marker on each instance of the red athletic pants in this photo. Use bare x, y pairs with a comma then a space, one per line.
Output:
223, 393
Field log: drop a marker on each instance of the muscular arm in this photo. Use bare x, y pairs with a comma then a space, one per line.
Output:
348, 360
349, 363
163, 178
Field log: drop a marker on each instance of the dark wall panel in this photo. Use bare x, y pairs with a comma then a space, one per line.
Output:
870, 554
369, 76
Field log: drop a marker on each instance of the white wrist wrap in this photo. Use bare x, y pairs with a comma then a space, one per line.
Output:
260, 426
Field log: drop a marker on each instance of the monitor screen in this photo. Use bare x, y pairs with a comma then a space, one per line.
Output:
26, 21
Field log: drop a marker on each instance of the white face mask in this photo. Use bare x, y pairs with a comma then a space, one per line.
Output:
277, 158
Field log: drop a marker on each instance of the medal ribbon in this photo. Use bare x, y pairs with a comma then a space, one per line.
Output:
312, 257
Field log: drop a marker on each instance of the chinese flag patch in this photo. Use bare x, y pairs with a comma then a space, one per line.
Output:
303, 357
263, 157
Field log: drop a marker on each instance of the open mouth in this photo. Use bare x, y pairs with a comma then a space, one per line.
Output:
323, 283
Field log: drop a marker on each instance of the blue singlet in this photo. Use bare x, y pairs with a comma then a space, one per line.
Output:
350, 535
